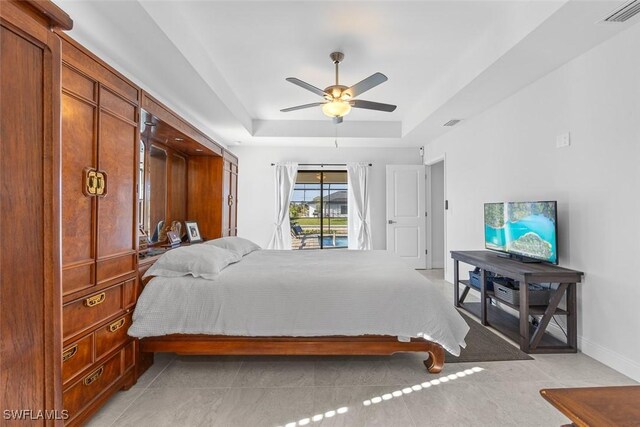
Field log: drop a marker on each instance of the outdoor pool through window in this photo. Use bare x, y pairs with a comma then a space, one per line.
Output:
318, 210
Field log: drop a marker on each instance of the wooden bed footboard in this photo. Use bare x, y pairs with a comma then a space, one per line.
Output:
369, 345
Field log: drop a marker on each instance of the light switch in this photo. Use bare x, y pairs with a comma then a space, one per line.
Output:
563, 140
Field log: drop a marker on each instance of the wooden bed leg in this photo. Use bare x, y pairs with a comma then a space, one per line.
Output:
435, 362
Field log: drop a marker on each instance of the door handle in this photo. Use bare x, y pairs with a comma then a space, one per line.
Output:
392, 221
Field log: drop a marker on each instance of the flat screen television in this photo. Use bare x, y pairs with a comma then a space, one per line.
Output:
526, 230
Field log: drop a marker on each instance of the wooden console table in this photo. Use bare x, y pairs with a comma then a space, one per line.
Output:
597, 406
531, 339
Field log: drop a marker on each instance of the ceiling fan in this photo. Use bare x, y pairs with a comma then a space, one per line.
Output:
338, 99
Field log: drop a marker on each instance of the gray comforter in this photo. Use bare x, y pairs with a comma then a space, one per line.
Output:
303, 293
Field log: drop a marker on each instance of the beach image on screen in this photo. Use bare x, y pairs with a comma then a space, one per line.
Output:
526, 229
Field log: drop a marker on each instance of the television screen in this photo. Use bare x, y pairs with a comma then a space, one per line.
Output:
528, 229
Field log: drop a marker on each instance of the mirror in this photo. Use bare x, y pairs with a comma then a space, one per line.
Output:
162, 203
156, 187
142, 186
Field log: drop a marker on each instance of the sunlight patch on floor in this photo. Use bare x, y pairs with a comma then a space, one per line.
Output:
422, 386
387, 396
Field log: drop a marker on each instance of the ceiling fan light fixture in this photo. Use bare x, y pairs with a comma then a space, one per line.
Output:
336, 108
339, 99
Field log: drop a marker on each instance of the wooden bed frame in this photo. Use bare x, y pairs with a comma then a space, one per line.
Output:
369, 345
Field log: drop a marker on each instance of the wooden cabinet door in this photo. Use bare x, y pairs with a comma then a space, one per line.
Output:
117, 154
79, 152
30, 359
99, 133
226, 192
233, 209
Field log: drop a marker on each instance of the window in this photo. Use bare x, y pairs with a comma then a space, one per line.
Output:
318, 210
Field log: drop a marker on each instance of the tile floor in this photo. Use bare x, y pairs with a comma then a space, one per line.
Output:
349, 391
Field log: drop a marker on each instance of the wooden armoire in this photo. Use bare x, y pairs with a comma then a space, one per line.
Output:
30, 294
70, 195
99, 228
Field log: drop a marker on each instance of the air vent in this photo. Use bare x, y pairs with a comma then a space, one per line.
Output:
452, 122
628, 11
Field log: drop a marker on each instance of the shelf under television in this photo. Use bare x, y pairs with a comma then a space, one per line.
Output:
508, 325
533, 309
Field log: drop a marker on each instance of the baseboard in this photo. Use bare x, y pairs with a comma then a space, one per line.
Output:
608, 357
614, 360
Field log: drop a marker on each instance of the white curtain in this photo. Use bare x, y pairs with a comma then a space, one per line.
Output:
285, 174
359, 218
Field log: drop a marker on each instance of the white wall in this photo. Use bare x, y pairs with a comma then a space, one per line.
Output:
508, 153
256, 187
437, 215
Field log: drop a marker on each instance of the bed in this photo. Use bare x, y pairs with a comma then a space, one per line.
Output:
300, 303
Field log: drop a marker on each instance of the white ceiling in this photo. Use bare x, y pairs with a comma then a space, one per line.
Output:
223, 64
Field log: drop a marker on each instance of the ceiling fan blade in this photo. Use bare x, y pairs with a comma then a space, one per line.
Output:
306, 86
366, 84
300, 107
358, 103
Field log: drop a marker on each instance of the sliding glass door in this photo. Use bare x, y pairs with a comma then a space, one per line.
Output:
318, 210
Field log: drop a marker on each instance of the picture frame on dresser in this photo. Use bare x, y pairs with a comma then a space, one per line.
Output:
174, 239
193, 232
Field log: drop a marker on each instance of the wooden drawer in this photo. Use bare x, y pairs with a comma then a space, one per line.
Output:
112, 335
76, 357
88, 311
80, 354
92, 384
112, 269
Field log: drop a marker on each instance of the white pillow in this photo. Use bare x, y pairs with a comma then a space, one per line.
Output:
236, 244
198, 260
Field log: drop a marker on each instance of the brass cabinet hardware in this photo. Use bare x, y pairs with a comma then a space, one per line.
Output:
69, 353
91, 378
101, 183
117, 325
90, 182
95, 300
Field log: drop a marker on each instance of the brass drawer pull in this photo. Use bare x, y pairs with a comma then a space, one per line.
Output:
69, 353
95, 300
101, 183
94, 376
117, 325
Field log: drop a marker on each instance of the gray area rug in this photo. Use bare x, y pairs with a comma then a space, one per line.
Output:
485, 346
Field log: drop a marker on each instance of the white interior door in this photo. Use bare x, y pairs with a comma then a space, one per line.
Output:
406, 223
